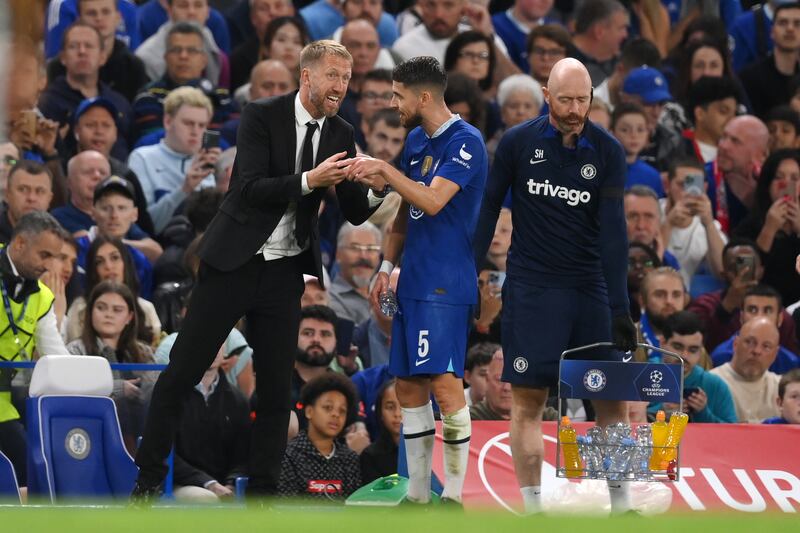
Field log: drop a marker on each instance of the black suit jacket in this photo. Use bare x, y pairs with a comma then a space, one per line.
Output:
264, 181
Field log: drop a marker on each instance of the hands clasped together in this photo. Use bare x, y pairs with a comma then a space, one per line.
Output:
335, 169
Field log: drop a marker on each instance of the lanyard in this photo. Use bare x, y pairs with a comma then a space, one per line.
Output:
7, 304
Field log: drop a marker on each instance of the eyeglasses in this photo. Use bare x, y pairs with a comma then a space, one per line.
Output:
548, 52
372, 95
9, 160
368, 248
178, 50
474, 56
640, 263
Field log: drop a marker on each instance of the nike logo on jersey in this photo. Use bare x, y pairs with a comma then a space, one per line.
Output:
572, 196
414, 161
537, 161
421, 361
466, 156
627, 359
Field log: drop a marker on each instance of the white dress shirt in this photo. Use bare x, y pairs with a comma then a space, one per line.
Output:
282, 242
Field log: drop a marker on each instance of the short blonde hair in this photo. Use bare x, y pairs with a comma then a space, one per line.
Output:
316, 50
190, 96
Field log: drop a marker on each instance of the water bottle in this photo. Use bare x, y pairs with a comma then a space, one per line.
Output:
675, 429
569, 448
598, 446
388, 302
620, 459
592, 456
641, 457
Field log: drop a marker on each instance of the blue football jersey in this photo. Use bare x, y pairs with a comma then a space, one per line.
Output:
438, 262
557, 194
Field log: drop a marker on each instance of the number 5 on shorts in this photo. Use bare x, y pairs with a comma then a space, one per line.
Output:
422, 344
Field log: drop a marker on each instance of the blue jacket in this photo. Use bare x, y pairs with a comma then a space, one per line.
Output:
745, 45
151, 16
62, 13
322, 19
514, 38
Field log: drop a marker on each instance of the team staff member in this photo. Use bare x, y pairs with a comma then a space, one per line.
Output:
28, 321
567, 265
444, 167
254, 254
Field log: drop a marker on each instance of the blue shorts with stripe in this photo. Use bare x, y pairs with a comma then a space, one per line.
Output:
539, 323
429, 338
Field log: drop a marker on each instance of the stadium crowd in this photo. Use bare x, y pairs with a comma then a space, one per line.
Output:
108, 110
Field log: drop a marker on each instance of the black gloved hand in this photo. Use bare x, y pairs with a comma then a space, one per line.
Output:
624, 333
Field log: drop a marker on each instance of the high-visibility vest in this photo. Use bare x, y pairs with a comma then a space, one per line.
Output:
38, 304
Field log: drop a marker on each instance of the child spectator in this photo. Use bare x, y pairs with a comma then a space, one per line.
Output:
110, 325
629, 126
783, 124
788, 399
315, 464
109, 259
379, 459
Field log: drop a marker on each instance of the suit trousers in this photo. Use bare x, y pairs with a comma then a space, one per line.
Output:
268, 294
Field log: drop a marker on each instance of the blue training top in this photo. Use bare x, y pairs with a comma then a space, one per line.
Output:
568, 217
437, 261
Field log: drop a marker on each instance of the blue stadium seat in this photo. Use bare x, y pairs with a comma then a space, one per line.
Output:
75, 443
9, 490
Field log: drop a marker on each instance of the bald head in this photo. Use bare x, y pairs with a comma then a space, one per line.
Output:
756, 347
84, 172
569, 73
743, 145
87, 158
270, 78
569, 95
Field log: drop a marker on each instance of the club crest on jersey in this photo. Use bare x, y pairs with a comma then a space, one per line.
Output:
588, 172
426, 165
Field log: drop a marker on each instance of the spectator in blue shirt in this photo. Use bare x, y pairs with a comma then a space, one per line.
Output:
152, 15
514, 24
788, 399
62, 13
629, 126
761, 300
706, 397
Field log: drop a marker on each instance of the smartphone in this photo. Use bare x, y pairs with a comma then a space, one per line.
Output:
693, 185
29, 118
791, 190
496, 280
344, 336
210, 139
688, 391
749, 262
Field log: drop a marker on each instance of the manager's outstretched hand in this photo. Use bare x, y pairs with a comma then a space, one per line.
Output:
332, 171
623, 331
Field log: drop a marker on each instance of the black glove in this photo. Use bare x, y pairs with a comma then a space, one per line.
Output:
624, 333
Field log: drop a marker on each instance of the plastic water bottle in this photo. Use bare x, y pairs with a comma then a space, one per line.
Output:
641, 457
598, 445
592, 456
677, 425
659, 432
621, 458
388, 302
568, 439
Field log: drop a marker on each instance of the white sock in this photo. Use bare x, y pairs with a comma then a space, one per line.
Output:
419, 429
456, 429
620, 496
532, 498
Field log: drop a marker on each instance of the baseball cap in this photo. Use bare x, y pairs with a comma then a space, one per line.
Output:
648, 83
97, 101
114, 184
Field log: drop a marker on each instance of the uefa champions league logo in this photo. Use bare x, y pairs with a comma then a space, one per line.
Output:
656, 377
594, 380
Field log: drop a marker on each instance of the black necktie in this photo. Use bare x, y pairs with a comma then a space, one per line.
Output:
303, 221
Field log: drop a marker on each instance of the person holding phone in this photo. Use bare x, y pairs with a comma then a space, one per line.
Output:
170, 170
706, 397
775, 222
689, 229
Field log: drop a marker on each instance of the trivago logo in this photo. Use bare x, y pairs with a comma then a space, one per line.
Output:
572, 196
